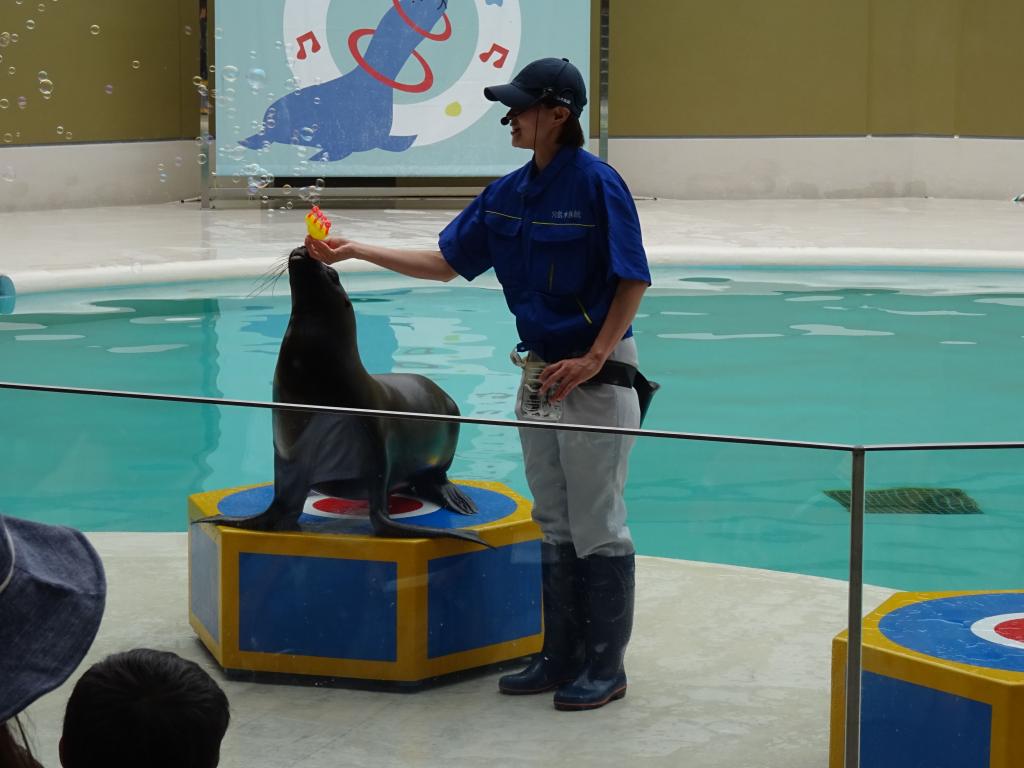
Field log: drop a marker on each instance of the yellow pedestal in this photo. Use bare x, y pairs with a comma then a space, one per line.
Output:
942, 683
347, 604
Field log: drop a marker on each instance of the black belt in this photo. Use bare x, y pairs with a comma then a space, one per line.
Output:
615, 373
626, 375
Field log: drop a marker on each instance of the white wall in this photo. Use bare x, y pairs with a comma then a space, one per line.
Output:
713, 168
87, 175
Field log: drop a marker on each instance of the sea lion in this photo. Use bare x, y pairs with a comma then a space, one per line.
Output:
354, 112
355, 457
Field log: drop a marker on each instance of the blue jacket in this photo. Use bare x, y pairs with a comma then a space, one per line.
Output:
559, 241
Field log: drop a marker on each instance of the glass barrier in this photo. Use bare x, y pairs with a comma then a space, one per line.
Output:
943, 634
739, 581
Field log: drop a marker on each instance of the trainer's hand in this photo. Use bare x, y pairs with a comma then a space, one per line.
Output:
563, 377
331, 250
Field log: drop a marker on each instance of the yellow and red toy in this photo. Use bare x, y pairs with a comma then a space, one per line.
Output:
317, 224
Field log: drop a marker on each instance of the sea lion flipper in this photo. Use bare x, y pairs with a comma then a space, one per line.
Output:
265, 521
443, 492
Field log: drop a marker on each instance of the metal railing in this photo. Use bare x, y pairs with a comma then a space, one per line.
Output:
858, 455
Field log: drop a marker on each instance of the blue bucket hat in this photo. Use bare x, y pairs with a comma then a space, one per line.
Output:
52, 593
555, 79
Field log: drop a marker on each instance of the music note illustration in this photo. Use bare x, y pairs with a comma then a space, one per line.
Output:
303, 39
502, 55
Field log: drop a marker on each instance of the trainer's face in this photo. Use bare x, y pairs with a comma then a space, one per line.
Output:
537, 126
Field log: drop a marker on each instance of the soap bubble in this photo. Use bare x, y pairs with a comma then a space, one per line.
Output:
316, 99
196, 80
218, 32
178, 161
8, 174
60, 130
257, 78
67, 135
230, 73
14, 37
94, 29
201, 158
108, 89
307, 134
201, 90
8, 138
42, 75
162, 176
22, 102
199, 141
136, 63
5, 39
30, 24
188, 30
11, 70
161, 167
46, 88
41, 8
4, 103
319, 185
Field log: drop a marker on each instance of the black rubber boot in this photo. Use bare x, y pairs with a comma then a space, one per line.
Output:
561, 658
608, 587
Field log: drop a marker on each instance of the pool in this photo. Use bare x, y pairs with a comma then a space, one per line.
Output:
834, 356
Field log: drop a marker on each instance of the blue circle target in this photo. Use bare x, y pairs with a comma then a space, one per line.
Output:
981, 630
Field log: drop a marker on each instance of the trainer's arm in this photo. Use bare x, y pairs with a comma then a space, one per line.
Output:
427, 265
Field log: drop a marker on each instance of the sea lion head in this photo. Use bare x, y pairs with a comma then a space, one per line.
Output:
317, 291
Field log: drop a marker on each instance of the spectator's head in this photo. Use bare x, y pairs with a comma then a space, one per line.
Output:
144, 708
52, 592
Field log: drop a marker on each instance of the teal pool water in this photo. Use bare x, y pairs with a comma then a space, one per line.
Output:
829, 356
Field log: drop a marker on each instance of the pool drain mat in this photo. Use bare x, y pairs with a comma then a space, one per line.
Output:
913, 501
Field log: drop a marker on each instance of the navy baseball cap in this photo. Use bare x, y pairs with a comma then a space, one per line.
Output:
52, 594
556, 79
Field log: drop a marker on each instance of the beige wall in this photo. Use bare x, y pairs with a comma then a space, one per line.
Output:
155, 101
679, 68
813, 68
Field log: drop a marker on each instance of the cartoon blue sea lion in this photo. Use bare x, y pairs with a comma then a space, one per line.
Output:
354, 112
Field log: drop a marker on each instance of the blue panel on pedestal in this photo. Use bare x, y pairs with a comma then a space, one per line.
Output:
317, 606
204, 588
905, 725
483, 598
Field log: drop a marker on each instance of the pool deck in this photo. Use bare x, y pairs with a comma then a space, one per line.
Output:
728, 668
51, 250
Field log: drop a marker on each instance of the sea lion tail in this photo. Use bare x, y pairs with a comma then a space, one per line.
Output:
440, 490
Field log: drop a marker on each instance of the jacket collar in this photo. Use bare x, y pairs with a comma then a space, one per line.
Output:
532, 186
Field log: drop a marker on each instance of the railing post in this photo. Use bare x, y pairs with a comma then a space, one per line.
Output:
603, 57
856, 611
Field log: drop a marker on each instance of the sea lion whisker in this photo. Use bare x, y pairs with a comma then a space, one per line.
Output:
270, 277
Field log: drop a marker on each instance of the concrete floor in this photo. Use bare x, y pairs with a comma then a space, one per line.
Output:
728, 667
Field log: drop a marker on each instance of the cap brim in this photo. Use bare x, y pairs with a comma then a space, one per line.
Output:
49, 611
512, 96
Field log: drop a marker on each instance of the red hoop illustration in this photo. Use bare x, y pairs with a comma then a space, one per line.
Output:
424, 85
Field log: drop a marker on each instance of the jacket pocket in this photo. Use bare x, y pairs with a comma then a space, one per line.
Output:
558, 258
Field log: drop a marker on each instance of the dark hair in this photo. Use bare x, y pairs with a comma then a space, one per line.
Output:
144, 708
14, 749
572, 132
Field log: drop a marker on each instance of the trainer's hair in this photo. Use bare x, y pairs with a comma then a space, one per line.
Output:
572, 132
144, 708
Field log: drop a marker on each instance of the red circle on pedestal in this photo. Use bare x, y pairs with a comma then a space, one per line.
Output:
397, 505
1011, 630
